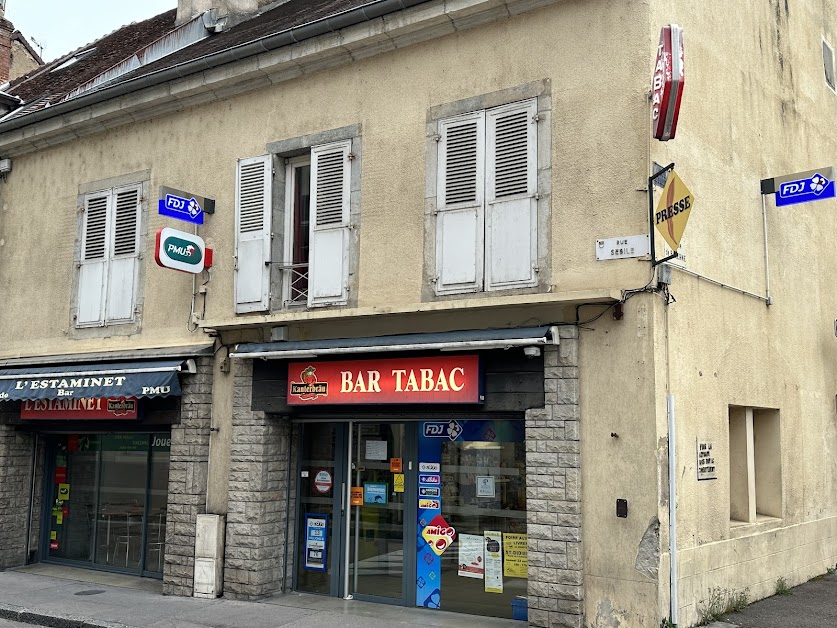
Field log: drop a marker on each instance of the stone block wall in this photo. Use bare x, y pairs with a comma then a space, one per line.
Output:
15, 489
256, 515
553, 493
189, 458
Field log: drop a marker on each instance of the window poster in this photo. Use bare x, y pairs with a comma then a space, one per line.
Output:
316, 530
376, 450
375, 493
485, 486
493, 561
515, 555
470, 556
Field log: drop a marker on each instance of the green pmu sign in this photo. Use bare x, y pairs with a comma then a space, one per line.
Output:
182, 251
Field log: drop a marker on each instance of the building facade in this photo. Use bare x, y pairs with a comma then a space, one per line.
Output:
412, 374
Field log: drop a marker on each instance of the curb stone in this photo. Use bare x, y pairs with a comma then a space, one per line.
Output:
52, 620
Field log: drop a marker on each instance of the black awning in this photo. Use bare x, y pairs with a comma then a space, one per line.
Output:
118, 379
467, 340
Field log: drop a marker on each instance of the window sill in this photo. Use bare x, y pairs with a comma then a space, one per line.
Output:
763, 523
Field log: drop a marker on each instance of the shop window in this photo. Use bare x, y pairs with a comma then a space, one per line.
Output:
109, 262
483, 497
108, 496
755, 456
828, 63
299, 251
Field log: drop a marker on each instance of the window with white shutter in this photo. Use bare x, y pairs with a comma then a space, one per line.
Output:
108, 268
486, 200
328, 264
253, 209
93, 267
459, 207
124, 262
511, 206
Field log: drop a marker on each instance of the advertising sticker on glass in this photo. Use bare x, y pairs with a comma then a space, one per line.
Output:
316, 529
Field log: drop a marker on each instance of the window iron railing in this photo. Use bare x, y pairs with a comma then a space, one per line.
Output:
296, 278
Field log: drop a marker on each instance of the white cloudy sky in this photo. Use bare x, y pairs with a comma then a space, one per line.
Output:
64, 25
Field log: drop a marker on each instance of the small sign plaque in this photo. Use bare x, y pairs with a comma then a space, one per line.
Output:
706, 469
626, 247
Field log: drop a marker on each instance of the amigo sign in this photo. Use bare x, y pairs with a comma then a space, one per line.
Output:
667, 83
182, 251
442, 379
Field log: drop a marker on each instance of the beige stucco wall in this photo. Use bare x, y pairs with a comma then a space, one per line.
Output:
389, 96
756, 105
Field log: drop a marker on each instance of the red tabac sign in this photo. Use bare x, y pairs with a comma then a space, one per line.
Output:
435, 379
69, 409
667, 84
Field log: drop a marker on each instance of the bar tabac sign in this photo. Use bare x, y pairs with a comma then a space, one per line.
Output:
435, 379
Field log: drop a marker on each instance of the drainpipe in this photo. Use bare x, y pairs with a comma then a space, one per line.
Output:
672, 510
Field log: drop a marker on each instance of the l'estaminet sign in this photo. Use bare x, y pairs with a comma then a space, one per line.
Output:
673, 210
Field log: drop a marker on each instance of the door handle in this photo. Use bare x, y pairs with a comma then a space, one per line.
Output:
343, 498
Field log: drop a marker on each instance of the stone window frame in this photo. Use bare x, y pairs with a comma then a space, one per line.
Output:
129, 328
832, 84
281, 151
540, 90
758, 432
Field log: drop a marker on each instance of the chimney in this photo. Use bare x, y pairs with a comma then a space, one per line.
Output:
2, 9
235, 10
6, 30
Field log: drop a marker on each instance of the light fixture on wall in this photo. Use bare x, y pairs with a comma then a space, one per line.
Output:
5, 167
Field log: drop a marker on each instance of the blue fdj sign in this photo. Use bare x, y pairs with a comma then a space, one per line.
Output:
187, 209
813, 188
429, 479
442, 429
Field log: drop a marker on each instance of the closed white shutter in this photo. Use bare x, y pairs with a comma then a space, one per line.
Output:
94, 254
328, 264
511, 189
124, 254
253, 210
459, 204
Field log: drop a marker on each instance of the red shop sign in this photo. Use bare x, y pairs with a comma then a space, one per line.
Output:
435, 379
81, 408
667, 83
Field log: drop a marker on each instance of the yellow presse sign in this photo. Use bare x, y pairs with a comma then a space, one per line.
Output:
673, 210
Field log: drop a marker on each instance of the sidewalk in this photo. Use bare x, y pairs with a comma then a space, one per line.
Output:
36, 595
810, 605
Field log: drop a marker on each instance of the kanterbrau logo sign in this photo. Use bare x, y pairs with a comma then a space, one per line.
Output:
309, 388
80, 408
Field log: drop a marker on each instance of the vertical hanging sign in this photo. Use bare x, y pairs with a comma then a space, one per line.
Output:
667, 83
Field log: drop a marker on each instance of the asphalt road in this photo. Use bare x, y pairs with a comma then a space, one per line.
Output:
13, 624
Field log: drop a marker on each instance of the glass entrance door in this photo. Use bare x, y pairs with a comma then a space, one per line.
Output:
377, 514
354, 515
